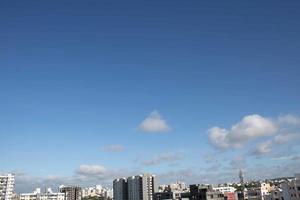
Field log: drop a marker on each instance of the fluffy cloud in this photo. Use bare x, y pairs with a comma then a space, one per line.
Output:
91, 170
154, 123
114, 148
251, 127
168, 157
263, 148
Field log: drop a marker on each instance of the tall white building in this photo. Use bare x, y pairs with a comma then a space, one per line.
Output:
7, 183
38, 195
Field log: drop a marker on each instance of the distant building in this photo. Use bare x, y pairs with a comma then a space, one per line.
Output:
120, 188
7, 183
204, 192
241, 176
176, 190
291, 189
38, 195
71, 192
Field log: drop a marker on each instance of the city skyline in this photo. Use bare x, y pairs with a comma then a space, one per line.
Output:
191, 91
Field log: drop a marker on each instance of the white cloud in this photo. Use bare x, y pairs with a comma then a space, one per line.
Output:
218, 137
289, 119
286, 137
263, 148
90, 170
251, 127
154, 123
114, 148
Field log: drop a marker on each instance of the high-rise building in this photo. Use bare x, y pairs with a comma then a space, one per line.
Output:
71, 192
7, 183
140, 187
120, 188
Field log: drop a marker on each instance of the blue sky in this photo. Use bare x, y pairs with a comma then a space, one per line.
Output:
106, 89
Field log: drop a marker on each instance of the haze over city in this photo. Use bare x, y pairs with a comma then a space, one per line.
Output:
188, 90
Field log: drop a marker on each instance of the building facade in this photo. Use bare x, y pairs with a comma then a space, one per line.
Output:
71, 192
38, 195
140, 187
7, 183
291, 189
120, 189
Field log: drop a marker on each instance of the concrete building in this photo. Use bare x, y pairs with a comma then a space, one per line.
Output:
120, 188
204, 192
71, 192
265, 189
275, 194
38, 195
291, 189
7, 183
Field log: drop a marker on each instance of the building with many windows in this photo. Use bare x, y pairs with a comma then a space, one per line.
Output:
140, 187
7, 183
71, 192
291, 189
120, 189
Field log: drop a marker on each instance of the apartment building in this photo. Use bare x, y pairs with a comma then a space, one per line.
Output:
7, 183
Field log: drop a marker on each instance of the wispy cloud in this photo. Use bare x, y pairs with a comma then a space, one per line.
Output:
114, 148
169, 157
88, 170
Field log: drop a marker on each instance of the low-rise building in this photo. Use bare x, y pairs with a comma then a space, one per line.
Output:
228, 191
38, 195
204, 192
97, 191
